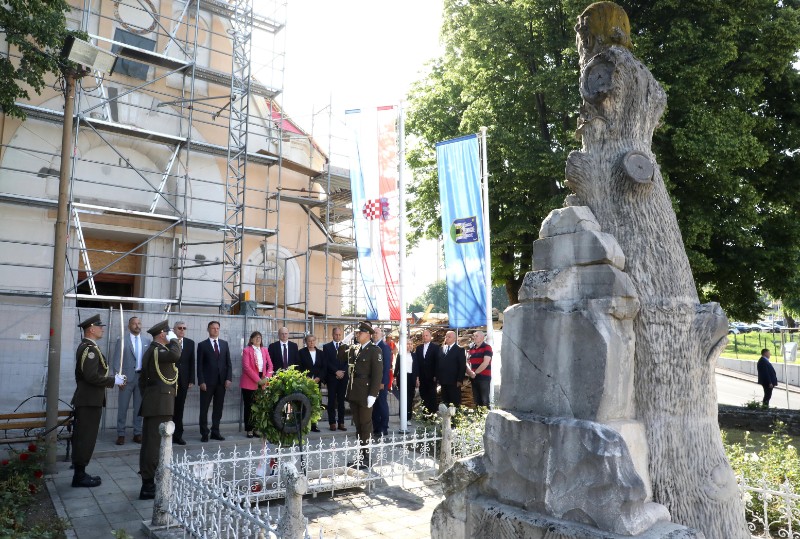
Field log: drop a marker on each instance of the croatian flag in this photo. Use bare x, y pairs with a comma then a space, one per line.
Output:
374, 175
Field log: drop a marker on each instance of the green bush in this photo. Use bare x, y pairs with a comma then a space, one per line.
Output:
284, 383
776, 466
468, 427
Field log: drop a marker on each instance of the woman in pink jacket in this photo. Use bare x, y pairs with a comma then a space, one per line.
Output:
256, 371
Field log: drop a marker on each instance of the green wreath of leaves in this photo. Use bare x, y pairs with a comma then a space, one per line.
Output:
284, 383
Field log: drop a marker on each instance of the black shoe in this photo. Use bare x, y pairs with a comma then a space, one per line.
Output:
148, 492
179, 441
314, 429
218, 437
204, 438
86, 481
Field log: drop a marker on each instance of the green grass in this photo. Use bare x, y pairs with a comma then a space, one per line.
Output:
749, 345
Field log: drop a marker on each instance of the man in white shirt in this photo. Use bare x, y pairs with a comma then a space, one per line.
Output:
135, 346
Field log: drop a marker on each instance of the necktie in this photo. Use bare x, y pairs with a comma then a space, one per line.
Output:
446, 349
336, 345
285, 357
136, 352
216, 347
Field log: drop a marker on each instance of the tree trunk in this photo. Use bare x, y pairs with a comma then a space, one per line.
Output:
678, 340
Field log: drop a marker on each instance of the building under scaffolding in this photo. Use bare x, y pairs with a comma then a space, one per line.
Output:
190, 188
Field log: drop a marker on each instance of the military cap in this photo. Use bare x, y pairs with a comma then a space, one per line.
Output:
158, 328
365, 326
91, 321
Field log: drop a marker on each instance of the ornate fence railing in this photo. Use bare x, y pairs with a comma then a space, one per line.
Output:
771, 512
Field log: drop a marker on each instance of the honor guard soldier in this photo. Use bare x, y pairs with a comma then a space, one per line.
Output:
365, 367
158, 384
91, 380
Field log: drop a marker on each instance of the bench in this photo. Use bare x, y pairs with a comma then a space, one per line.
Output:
31, 426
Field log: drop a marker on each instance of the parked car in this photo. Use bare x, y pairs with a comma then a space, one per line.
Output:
769, 328
742, 327
732, 330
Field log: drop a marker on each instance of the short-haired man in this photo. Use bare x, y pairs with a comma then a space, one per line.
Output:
427, 355
92, 377
214, 376
480, 368
158, 384
450, 370
336, 366
283, 352
133, 350
380, 411
766, 375
186, 377
365, 364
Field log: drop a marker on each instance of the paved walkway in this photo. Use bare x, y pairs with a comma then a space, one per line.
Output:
382, 512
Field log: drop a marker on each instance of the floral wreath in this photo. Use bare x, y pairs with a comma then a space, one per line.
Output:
286, 408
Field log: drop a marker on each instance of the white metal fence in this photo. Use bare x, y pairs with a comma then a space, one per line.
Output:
771, 512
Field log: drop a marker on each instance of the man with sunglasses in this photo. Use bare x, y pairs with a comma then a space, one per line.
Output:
186, 366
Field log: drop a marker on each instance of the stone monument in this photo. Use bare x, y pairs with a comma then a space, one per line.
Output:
606, 422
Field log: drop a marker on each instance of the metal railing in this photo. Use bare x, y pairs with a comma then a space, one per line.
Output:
771, 512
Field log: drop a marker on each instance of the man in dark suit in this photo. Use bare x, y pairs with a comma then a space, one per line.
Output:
186, 367
158, 385
366, 370
311, 360
766, 375
450, 370
92, 377
132, 352
283, 352
214, 376
427, 355
336, 366
380, 412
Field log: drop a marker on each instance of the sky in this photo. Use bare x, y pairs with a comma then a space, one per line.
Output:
358, 54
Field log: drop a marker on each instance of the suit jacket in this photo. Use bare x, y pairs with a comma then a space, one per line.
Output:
250, 377
452, 366
386, 354
92, 375
414, 366
366, 370
766, 372
276, 355
128, 357
186, 365
210, 369
333, 361
158, 382
316, 369
425, 367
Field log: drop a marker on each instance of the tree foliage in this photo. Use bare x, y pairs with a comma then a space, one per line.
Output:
728, 148
34, 31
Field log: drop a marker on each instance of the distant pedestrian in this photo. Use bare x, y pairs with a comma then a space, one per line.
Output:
480, 369
766, 375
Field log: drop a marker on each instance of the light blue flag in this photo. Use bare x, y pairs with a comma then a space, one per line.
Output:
462, 227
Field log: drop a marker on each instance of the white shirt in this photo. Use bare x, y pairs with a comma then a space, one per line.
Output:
409, 362
138, 356
259, 358
425, 349
313, 356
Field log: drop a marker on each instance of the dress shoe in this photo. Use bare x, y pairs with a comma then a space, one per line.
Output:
314, 429
179, 441
148, 491
333, 426
342, 427
86, 481
204, 438
120, 440
218, 437
137, 438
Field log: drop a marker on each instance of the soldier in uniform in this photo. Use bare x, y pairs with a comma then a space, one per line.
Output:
91, 379
158, 384
365, 367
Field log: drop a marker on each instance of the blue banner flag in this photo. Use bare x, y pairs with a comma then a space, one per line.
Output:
462, 227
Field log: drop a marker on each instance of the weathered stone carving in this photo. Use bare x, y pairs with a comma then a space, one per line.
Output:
677, 339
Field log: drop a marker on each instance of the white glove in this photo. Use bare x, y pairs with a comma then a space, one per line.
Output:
370, 401
171, 335
120, 379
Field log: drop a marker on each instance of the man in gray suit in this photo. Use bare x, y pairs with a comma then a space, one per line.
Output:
135, 346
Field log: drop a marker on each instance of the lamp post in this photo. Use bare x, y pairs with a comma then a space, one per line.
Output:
82, 52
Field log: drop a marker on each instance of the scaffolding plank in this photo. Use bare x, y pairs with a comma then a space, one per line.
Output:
347, 252
303, 201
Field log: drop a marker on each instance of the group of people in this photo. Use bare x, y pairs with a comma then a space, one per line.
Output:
158, 369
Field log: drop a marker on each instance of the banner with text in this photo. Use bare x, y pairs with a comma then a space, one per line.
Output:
462, 227
373, 182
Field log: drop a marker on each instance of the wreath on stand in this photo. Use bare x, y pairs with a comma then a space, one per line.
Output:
285, 410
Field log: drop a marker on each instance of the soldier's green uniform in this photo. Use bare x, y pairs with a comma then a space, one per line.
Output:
365, 367
91, 379
158, 383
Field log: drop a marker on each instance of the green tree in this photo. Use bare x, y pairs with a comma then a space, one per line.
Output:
436, 293
34, 31
729, 146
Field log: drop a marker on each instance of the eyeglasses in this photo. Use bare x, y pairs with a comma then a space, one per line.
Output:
181, 327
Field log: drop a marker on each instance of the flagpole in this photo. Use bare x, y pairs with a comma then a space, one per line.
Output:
401, 189
486, 256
